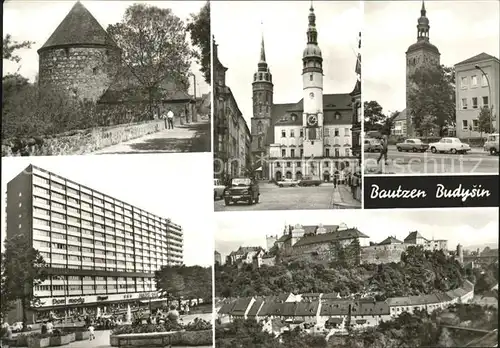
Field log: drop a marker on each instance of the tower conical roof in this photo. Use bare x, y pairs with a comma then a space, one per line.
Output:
79, 28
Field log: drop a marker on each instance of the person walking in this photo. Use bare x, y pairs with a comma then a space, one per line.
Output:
164, 118
170, 119
383, 151
91, 332
336, 178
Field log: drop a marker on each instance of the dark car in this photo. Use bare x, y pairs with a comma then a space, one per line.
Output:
310, 181
242, 190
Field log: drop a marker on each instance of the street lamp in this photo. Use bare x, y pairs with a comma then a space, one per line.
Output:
489, 96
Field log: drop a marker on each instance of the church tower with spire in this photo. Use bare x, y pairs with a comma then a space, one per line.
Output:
312, 86
420, 54
262, 95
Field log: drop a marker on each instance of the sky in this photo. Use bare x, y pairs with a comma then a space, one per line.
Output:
168, 185
37, 20
467, 226
459, 29
238, 27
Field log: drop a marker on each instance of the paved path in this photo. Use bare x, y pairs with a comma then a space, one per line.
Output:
193, 137
273, 197
476, 161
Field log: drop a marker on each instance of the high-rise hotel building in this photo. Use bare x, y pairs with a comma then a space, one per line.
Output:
100, 250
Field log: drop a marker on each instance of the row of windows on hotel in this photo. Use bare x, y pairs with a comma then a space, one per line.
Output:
72, 224
326, 132
327, 153
55, 260
101, 283
464, 81
474, 102
111, 250
85, 199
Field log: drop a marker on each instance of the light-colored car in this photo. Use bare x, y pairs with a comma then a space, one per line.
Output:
18, 327
218, 189
452, 145
372, 145
287, 183
491, 144
415, 145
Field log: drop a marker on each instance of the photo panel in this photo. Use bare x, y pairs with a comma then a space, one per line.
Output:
389, 278
106, 77
287, 100
111, 245
430, 104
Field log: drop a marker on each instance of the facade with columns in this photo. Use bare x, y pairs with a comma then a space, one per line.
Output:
311, 137
420, 54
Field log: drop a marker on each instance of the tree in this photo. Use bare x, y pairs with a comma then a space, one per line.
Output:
169, 282
155, 49
484, 121
199, 30
10, 47
427, 124
23, 268
373, 115
432, 93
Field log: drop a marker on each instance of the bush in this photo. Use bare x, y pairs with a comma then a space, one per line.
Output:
196, 325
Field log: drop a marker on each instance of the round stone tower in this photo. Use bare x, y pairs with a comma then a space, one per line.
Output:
79, 57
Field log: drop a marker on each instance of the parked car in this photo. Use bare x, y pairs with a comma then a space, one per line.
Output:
491, 144
310, 181
415, 145
287, 183
242, 189
453, 145
218, 189
372, 145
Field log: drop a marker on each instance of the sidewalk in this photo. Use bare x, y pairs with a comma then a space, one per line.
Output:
190, 137
342, 198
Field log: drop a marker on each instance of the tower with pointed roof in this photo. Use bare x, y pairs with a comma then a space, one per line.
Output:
262, 95
312, 86
420, 54
79, 57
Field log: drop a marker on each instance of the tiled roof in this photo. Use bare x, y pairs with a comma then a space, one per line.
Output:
283, 238
254, 310
311, 295
390, 240
370, 308
79, 27
335, 308
268, 308
329, 237
423, 44
227, 308
126, 87
311, 229
241, 306
477, 58
307, 308
401, 116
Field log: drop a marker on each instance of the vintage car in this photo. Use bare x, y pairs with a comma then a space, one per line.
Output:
218, 189
310, 181
372, 145
453, 145
287, 183
242, 189
491, 144
415, 145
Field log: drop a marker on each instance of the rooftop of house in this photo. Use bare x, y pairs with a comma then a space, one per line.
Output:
478, 58
350, 233
413, 235
390, 240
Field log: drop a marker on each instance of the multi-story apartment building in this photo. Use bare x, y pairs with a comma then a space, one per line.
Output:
232, 137
473, 93
356, 109
99, 250
311, 137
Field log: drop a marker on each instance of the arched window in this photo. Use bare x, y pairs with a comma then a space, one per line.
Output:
259, 142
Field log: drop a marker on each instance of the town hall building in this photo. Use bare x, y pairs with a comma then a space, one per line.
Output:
312, 137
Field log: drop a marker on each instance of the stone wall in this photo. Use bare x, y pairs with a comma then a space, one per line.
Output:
378, 254
81, 142
163, 339
85, 72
